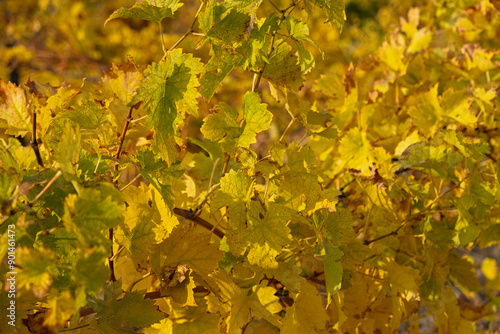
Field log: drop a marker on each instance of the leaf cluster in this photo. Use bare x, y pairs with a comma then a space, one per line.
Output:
184, 196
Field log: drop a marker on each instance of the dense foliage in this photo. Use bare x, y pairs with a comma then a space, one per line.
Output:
246, 169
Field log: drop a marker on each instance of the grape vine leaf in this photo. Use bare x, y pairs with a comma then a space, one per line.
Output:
89, 269
265, 237
240, 305
333, 268
236, 189
184, 246
299, 32
334, 11
223, 124
149, 10
38, 270
87, 114
356, 151
60, 309
159, 174
168, 92
67, 148
307, 314
91, 212
283, 69
257, 119
420, 41
118, 316
15, 114
218, 67
229, 31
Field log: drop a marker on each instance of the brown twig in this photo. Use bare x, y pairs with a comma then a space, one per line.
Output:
189, 215
367, 242
112, 277
34, 142
125, 128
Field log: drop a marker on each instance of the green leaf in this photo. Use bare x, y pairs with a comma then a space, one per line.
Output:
334, 11
266, 236
130, 311
256, 49
463, 271
472, 148
87, 114
222, 125
231, 30
283, 69
257, 119
90, 270
38, 268
237, 185
218, 67
9, 182
333, 269
91, 212
159, 174
67, 148
150, 10
168, 92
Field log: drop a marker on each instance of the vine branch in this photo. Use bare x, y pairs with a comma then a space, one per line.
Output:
125, 128
190, 215
111, 258
34, 142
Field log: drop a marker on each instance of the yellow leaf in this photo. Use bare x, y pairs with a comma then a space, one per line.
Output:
14, 111
307, 314
489, 268
420, 41
61, 308
392, 57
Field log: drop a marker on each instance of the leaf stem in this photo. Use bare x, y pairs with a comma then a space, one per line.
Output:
288, 127
276, 7
124, 132
212, 174
284, 15
162, 40
131, 286
131, 182
226, 163
44, 190
188, 32
118, 252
